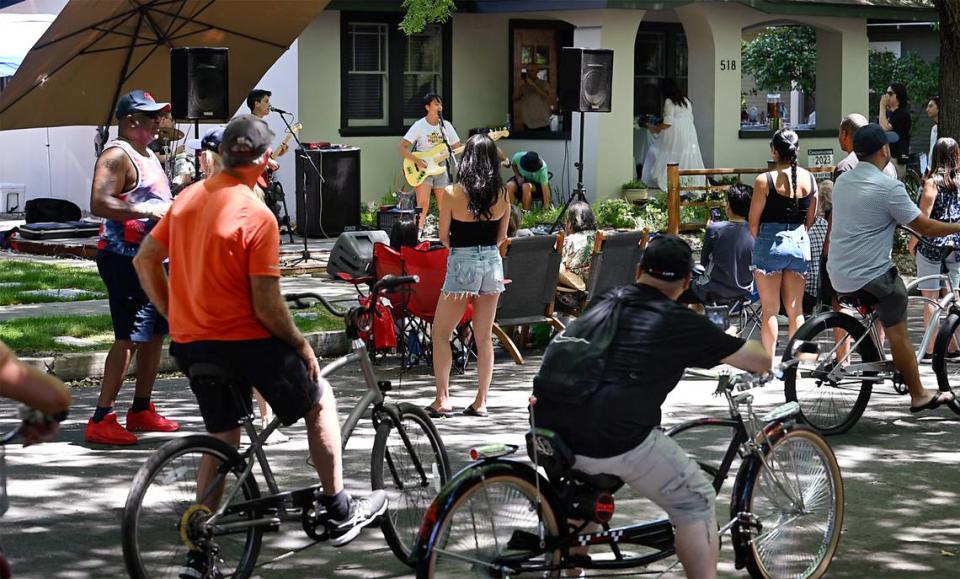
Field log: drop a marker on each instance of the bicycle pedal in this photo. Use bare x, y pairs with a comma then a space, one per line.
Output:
749, 522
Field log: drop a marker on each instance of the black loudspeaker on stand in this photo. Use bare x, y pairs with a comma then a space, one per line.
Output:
199, 83
586, 80
333, 205
586, 85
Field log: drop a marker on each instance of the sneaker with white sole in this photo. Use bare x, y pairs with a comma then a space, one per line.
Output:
362, 513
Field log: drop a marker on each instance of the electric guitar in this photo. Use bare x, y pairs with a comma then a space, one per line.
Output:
294, 129
436, 159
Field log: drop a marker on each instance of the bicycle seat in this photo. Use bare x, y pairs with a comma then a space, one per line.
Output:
859, 299
553, 454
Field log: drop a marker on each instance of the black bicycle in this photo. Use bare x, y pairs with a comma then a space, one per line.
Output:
166, 516
501, 518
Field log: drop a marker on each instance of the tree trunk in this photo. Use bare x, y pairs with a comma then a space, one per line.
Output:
949, 67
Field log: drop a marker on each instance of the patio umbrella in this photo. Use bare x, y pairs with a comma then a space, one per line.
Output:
97, 50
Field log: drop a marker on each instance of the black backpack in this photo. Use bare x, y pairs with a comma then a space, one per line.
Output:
574, 361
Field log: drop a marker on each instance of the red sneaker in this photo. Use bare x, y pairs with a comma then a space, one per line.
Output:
149, 421
108, 431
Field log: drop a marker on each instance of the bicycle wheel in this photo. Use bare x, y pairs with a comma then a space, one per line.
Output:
800, 527
411, 464
831, 407
485, 528
947, 370
162, 517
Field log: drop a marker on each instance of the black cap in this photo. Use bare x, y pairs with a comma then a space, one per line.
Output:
871, 138
667, 257
210, 142
245, 139
531, 162
139, 101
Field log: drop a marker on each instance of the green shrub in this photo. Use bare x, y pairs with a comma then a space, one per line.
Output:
616, 214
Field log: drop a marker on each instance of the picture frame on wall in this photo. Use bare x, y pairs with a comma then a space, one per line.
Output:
526, 54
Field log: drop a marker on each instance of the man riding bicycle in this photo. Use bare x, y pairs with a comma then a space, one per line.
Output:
225, 307
867, 206
616, 430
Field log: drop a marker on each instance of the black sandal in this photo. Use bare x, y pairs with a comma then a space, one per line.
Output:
434, 413
471, 411
934, 402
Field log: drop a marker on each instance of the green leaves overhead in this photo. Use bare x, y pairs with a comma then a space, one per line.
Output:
423, 12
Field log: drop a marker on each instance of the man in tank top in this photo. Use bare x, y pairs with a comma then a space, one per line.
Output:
131, 192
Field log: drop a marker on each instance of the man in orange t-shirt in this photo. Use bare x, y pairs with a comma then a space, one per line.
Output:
225, 307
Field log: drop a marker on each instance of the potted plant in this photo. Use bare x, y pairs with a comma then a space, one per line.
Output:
635, 190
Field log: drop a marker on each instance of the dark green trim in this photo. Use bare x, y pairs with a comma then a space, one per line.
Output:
839, 8
811, 134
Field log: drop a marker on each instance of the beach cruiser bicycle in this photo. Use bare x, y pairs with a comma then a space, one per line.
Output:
166, 516
501, 518
832, 383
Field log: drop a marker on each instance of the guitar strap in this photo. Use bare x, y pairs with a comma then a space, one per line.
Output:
450, 157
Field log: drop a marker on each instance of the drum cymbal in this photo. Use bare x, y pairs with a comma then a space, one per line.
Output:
170, 134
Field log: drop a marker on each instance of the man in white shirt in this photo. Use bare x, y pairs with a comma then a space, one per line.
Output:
424, 135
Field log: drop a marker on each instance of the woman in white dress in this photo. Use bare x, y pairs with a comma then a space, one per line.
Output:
677, 142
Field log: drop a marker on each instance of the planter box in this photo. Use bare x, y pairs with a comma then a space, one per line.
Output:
635, 195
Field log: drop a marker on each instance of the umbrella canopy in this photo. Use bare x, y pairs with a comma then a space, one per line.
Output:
95, 51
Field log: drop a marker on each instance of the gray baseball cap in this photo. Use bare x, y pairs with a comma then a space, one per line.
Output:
245, 139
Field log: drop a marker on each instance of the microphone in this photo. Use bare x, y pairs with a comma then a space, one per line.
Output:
281, 111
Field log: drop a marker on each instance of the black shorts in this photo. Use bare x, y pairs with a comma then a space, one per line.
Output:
890, 297
537, 189
134, 317
273, 367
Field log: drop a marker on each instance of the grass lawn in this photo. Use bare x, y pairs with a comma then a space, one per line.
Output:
33, 336
30, 275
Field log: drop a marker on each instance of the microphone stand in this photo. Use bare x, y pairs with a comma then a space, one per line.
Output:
579, 193
302, 153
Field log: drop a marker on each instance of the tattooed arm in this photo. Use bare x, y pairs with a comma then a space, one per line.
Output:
110, 178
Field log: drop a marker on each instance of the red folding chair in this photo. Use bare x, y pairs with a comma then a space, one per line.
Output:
431, 265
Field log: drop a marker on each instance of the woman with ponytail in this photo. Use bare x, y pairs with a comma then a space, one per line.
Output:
783, 207
474, 215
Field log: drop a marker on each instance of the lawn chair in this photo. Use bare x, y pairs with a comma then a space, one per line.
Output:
430, 263
614, 261
532, 264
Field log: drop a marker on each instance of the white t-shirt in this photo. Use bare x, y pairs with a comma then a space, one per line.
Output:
425, 136
933, 141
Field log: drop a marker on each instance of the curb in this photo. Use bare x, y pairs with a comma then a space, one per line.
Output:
81, 365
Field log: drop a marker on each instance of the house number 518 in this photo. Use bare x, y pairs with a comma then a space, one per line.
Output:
728, 64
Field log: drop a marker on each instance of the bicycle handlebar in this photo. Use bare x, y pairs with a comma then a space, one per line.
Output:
743, 382
30, 416
387, 283
297, 298
947, 249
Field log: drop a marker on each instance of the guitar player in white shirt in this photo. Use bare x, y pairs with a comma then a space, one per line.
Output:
424, 135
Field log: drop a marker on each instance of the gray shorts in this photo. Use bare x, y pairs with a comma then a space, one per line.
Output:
438, 181
661, 471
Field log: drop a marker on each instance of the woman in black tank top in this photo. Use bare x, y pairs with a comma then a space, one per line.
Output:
779, 219
474, 214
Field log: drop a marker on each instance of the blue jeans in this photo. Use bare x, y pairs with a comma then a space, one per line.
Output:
781, 247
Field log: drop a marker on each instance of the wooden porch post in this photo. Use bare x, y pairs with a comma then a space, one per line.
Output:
673, 198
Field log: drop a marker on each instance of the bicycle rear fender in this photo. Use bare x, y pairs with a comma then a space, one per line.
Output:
743, 487
467, 478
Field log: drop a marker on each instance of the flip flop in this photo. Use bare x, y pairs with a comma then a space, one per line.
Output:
434, 413
471, 411
934, 403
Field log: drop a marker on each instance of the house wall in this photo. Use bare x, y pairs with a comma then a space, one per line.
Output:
480, 68
714, 33
480, 98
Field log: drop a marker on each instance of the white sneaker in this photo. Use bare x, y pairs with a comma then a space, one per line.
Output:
362, 513
276, 437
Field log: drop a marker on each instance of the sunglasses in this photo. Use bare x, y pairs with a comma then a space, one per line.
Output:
152, 116
891, 93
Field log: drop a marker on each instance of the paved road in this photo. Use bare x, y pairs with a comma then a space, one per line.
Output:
900, 473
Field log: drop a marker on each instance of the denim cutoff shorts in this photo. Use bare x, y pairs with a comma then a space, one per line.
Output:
473, 271
781, 247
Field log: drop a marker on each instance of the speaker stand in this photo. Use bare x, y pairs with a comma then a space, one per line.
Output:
305, 256
579, 193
